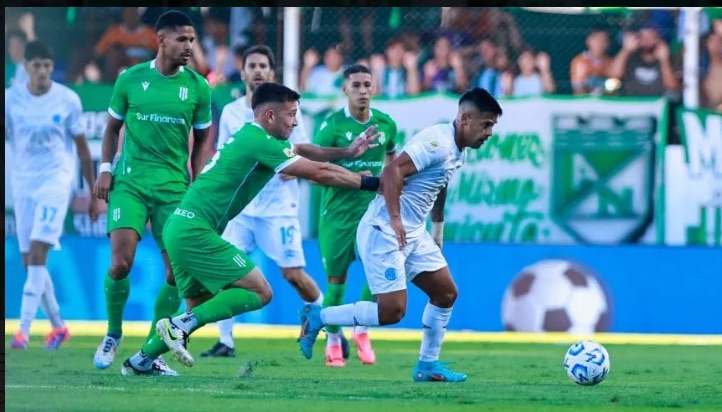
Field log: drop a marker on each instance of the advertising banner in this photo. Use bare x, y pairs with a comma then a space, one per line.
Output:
693, 176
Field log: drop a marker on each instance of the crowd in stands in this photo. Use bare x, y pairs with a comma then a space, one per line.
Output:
409, 50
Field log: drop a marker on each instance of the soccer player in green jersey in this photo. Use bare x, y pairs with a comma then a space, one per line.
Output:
158, 102
216, 278
342, 209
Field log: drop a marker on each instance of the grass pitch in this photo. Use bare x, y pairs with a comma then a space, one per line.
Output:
275, 377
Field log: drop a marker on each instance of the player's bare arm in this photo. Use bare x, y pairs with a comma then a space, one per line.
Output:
359, 146
392, 180
86, 167
329, 174
437, 217
198, 153
109, 148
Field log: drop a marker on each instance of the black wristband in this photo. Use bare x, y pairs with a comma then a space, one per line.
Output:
370, 183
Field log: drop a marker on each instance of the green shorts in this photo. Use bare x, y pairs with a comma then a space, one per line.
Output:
131, 205
338, 246
201, 260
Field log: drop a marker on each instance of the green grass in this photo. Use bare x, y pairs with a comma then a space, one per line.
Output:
502, 377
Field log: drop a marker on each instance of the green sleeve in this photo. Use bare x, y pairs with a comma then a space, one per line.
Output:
119, 101
202, 114
273, 153
326, 135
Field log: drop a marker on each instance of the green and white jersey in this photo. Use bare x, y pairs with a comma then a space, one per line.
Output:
346, 206
234, 176
158, 112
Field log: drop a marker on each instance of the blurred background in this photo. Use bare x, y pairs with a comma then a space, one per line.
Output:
597, 206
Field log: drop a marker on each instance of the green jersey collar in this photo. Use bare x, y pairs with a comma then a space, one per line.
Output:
181, 69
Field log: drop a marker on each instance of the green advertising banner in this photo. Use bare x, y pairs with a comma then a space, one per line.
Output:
693, 183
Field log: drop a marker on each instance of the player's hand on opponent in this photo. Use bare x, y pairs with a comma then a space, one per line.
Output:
398, 228
285, 177
102, 186
363, 142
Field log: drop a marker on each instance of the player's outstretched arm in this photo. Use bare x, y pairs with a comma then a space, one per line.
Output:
363, 142
392, 181
109, 148
328, 174
437, 218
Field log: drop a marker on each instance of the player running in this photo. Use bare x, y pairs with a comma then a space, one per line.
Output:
43, 122
270, 221
218, 280
158, 102
393, 243
341, 209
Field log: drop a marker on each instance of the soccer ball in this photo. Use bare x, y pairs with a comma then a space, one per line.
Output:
586, 363
556, 296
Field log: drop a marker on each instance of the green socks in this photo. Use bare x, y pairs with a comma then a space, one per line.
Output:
366, 294
333, 297
154, 346
226, 304
116, 295
166, 305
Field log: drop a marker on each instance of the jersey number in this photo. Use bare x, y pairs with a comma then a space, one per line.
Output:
287, 234
48, 214
215, 157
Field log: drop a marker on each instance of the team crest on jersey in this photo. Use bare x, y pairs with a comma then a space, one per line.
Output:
183, 93
288, 152
432, 144
349, 135
382, 138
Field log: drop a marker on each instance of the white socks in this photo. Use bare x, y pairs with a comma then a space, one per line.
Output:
359, 313
434, 321
186, 322
49, 303
32, 291
225, 331
317, 302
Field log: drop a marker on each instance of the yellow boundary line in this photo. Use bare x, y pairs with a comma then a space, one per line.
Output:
140, 329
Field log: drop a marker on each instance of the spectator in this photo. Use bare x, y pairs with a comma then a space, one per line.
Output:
588, 70
486, 68
216, 45
712, 83
324, 79
15, 42
444, 72
534, 78
485, 22
396, 73
643, 64
125, 44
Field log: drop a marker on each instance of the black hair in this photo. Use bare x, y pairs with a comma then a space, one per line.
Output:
172, 20
260, 49
37, 50
596, 28
355, 68
482, 100
273, 93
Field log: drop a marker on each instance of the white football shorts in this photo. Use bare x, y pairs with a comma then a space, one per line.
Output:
278, 237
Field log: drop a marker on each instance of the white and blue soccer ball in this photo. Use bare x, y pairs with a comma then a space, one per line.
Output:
586, 362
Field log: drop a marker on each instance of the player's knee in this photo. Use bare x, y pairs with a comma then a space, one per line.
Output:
120, 267
391, 312
294, 276
265, 294
445, 298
